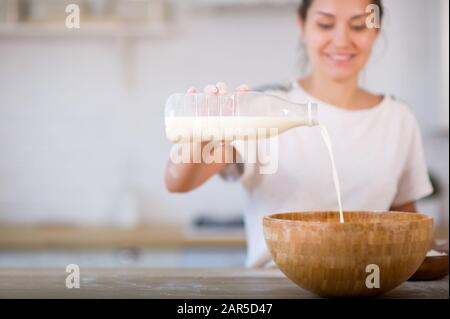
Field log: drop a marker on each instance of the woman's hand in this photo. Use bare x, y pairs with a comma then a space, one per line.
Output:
184, 177
219, 89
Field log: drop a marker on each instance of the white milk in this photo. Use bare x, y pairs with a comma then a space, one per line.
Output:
204, 128
327, 140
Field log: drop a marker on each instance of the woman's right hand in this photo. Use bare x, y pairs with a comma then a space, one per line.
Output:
219, 89
184, 177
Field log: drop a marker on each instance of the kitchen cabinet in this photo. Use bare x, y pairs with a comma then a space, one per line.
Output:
169, 257
168, 246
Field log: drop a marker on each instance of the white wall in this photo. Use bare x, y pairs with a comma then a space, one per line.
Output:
81, 119
407, 61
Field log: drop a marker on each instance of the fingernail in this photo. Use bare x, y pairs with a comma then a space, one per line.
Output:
223, 89
244, 87
211, 89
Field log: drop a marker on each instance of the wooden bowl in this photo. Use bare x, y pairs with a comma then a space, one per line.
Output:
330, 259
432, 268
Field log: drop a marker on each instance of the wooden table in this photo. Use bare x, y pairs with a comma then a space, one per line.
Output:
177, 283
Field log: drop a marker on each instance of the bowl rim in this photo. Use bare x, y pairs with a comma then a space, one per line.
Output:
272, 218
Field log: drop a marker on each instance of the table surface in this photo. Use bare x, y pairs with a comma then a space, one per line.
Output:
177, 283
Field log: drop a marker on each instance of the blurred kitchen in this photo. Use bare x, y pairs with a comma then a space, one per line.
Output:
82, 142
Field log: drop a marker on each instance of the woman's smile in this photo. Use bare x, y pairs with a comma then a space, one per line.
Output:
339, 59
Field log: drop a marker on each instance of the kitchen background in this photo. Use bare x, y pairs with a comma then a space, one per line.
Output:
82, 143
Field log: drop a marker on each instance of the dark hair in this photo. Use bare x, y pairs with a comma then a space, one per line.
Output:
306, 4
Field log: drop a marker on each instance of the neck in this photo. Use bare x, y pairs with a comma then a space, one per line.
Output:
339, 93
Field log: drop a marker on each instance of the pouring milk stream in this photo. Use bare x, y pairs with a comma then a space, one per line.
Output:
241, 115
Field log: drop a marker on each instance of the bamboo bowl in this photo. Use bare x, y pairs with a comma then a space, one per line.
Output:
328, 258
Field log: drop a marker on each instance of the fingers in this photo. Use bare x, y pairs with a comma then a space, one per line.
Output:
211, 89
243, 88
219, 89
222, 87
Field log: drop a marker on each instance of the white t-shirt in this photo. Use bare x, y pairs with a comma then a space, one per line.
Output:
379, 158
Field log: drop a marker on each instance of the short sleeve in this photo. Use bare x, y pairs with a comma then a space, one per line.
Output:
414, 182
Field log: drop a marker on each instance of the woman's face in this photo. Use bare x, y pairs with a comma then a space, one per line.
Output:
337, 38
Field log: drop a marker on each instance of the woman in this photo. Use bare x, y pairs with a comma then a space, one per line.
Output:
377, 141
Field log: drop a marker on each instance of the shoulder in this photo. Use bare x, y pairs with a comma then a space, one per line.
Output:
400, 109
393, 106
402, 116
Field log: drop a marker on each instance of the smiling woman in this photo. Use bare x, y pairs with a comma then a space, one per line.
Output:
338, 42
376, 139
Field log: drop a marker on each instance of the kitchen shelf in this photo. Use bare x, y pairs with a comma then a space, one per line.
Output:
21, 237
105, 19
241, 3
134, 30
